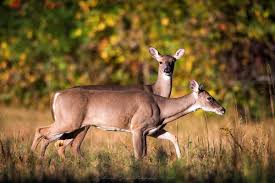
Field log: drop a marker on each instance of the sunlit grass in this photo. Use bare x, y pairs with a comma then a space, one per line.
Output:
214, 148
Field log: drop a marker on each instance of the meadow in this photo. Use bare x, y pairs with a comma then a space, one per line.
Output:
215, 149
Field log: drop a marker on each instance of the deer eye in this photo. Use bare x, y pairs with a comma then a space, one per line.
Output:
160, 62
210, 99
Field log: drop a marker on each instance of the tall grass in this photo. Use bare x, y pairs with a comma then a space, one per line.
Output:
215, 149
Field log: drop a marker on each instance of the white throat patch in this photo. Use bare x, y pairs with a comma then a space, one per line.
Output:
165, 77
192, 108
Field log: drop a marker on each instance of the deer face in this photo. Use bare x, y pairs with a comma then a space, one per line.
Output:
204, 100
166, 62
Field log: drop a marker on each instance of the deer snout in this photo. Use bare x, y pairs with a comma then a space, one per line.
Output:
168, 70
222, 110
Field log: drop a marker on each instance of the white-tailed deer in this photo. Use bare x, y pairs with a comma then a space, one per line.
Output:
162, 87
137, 112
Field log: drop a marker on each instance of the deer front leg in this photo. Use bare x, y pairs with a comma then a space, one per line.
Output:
144, 152
163, 134
139, 143
62, 147
43, 147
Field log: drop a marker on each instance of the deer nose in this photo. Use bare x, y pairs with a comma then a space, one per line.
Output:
167, 70
222, 110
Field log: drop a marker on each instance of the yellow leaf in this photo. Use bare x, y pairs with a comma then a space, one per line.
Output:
121, 59
6, 53
212, 92
78, 16
93, 3
22, 59
48, 77
77, 32
29, 34
189, 66
4, 45
110, 21
3, 64
84, 6
32, 78
114, 40
164, 21
222, 67
104, 55
101, 26
23, 56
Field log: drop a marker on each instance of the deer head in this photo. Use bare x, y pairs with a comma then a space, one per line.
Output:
166, 62
204, 100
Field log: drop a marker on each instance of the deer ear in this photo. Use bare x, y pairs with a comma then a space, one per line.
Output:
194, 86
179, 54
155, 54
201, 87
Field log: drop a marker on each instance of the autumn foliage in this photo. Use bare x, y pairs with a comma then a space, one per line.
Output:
49, 45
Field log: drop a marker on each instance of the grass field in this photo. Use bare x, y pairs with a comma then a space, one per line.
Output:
215, 149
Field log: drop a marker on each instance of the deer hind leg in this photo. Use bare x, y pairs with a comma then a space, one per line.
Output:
163, 134
38, 137
70, 138
50, 134
46, 141
139, 143
66, 126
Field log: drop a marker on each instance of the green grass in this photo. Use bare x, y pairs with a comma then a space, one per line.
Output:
214, 149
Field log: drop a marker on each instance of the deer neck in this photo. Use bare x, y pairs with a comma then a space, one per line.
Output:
182, 105
163, 85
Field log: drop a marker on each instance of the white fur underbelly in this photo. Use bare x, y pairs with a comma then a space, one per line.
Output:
111, 128
152, 131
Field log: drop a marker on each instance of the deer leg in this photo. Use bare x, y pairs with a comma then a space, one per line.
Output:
138, 143
78, 141
70, 138
46, 141
163, 134
50, 134
144, 153
37, 137
44, 145
61, 148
